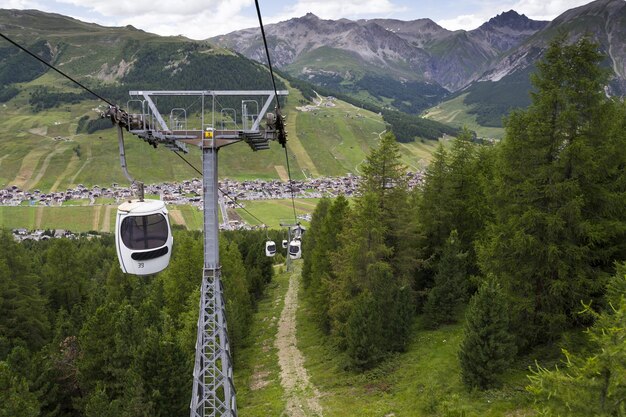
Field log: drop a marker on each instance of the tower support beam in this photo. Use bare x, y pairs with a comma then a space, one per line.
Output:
213, 388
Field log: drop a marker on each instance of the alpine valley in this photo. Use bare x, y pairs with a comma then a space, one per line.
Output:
413, 65
422, 80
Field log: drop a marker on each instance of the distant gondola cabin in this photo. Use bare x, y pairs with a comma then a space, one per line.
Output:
270, 248
295, 249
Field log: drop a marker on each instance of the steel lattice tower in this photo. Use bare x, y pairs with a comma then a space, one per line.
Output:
213, 387
213, 392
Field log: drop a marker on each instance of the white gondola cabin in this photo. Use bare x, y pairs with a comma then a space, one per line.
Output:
270, 248
285, 242
143, 238
295, 249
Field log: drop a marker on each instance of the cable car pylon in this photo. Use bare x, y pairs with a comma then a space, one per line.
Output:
213, 393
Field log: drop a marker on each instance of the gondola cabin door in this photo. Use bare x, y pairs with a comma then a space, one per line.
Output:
143, 238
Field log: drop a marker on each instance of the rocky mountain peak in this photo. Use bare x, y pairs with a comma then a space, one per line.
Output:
513, 20
310, 15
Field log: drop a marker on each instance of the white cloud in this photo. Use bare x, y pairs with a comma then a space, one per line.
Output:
546, 10
197, 19
465, 22
21, 4
138, 8
337, 9
200, 19
199, 26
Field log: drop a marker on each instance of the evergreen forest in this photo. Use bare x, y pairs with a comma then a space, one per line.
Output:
522, 242
80, 338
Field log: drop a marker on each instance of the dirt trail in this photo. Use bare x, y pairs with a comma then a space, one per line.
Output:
32, 182
301, 396
29, 162
282, 172
96, 217
177, 217
38, 217
69, 169
106, 221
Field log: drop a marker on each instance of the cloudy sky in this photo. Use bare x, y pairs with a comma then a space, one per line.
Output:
200, 19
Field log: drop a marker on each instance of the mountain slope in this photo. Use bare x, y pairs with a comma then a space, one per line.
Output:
376, 60
418, 50
51, 136
506, 84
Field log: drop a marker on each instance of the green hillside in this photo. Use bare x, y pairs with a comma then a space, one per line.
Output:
51, 138
456, 112
43, 151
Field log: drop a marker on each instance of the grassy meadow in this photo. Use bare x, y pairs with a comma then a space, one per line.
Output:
79, 217
423, 381
456, 113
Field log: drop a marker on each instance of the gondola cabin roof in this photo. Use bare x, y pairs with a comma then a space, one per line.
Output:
141, 207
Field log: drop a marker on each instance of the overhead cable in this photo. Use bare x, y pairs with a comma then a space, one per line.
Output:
279, 120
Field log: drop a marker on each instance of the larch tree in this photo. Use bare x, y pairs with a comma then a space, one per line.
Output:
327, 244
559, 213
310, 240
370, 295
593, 383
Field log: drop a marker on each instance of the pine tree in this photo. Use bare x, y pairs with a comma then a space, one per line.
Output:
98, 404
362, 244
64, 277
183, 274
236, 294
487, 347
322, 274
23, 312
434, 215
453, 198
364, 336
451, 283
385, 175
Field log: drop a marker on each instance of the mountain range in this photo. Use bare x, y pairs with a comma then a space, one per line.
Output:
383, 56
379, 64
53, 138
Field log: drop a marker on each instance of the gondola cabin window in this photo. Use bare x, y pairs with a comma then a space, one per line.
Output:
144, 232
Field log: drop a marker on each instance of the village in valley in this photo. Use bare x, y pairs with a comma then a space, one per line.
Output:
233, 194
